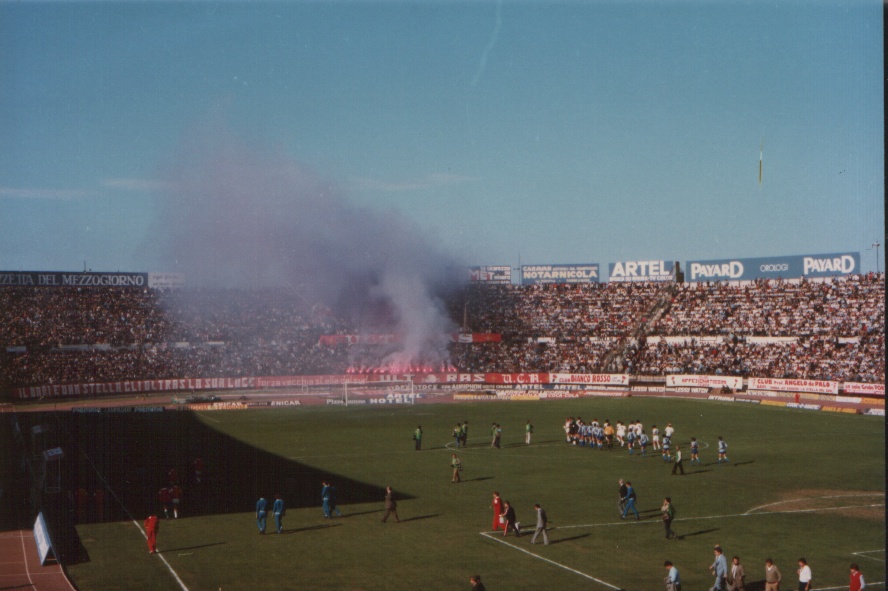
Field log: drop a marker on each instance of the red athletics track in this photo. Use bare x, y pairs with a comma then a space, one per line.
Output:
20, 566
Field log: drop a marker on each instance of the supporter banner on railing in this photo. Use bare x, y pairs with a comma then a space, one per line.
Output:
493, 274
641, 271
56, 279
476, 337
676, 381
598, 379
787, 267
868, 389
533, 274
333, 340
774, 384
134, 387
316, 380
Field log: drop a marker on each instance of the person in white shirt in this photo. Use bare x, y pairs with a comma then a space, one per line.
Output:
804, 575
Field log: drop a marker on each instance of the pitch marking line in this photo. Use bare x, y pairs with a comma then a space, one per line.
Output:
495, 538
159, 555
863, 554
704, 517
813, 498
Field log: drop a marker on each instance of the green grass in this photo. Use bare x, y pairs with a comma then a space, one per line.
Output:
776, 455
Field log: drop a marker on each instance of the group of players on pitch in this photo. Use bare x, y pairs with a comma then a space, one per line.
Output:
633, 436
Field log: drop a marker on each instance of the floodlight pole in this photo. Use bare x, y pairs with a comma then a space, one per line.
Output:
876, 245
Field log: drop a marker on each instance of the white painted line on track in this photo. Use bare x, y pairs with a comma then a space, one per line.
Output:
582, 574
25, 561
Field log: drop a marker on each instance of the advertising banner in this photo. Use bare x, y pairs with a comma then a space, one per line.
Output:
600, 379
41, 537
494, 274
533, 274
166, 280
56, 279
786, 267
732, 382
774, 384
868, 389
641, 271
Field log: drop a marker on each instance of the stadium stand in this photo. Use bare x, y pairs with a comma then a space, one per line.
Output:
832, 329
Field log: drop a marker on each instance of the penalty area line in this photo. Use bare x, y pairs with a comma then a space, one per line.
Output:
559, 565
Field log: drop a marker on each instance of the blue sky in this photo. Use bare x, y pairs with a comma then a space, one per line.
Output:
557, 132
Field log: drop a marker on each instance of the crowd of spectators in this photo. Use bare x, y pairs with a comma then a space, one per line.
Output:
832, 329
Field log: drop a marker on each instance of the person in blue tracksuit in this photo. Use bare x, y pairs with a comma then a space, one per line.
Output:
278, 510
630, 502
328, 495
261, 512
326, 492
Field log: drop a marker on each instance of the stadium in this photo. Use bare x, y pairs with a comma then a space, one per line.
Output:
371, 296
163, 379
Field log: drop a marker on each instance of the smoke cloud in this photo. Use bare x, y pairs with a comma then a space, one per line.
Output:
242, 214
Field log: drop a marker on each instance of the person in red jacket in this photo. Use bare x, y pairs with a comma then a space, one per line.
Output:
857, 582
152, 524
497, 511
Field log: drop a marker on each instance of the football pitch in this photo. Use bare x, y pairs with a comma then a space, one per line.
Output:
799, 483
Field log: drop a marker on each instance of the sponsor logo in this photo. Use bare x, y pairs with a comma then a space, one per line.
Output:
852, 411
285, 403
803, 406
839, 264
878, 412
729, 270
722, 398
641, 270
774, 268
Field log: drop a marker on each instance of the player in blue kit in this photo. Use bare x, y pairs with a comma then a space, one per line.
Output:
667, 446
278, 510
643, 441
598, 435
695, 451
722, 450
261, 512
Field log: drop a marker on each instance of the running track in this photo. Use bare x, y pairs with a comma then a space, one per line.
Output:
20, 566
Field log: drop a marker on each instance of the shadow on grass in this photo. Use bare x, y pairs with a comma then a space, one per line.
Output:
346, 516
191, 547
310, 528
130, 456
692, 472
559, 540
477, 479
420, 517
756, 586
743, 463
697, 533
